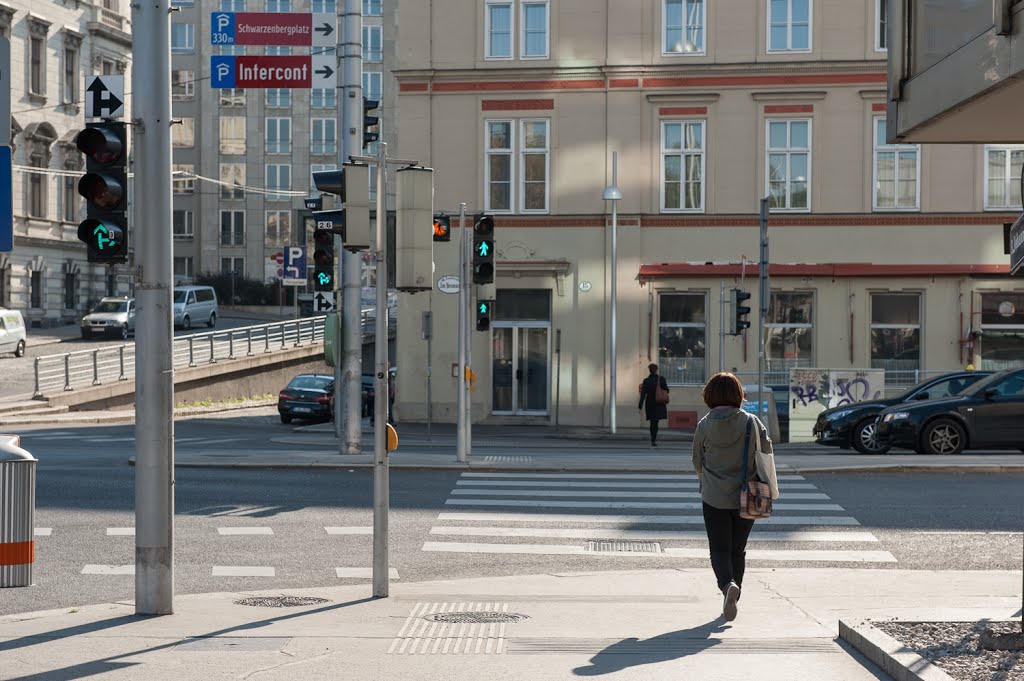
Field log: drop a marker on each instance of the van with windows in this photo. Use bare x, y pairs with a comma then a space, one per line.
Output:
195, 305
12, 332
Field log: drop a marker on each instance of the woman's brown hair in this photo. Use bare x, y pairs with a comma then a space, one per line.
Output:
723, 390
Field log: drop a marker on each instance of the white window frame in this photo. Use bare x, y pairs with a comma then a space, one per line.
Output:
789, 151
228, 191
188, 265
325, 144
511, 153
699, 50
69, 75
188, 225
282, 239
237, 215
683, 152
368, 91
919, 326
895, 149
523, 153
511, 30
234, 260
232, 5
277, 98
279, 186
702, 326
190, 39
372, 34
1008, 181
283, 142
785, 363
228, 142
329, 100
277, 50
522, 29
324, 6
186, 80
279, 5
369, 6
183, 133
789, 49
880, 23
183, 185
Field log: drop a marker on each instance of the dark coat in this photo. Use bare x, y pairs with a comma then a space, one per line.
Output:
647, 390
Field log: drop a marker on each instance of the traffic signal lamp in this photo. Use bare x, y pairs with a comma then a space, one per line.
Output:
737, 297
370, 136
483, 314
352, 185
105, 188
414, 247
442, 228
483, 250
323, 260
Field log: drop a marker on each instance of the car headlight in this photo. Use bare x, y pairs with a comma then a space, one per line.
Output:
842, 414
897, 416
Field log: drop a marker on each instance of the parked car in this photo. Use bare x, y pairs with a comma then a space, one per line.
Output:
195, 305
12, 332
110, 317
853, 425
987, 415
307, 396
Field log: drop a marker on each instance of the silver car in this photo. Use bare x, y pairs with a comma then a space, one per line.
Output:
111, 317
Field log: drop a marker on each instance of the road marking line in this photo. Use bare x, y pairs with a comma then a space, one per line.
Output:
701, 553
362, 573
778, 519
179, 440
242, 571
108, 570
559, 503
802, 555
621, 485
217, 441
629, 494
108, 439
43, 531
980, 532
230, 531
120, 531
350, 530
697, 535
602, 476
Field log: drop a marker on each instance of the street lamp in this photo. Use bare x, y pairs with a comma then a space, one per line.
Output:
612, 193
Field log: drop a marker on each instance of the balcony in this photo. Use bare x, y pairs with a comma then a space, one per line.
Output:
111, 25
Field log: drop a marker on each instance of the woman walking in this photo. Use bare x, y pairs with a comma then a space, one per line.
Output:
718, 447
649, 395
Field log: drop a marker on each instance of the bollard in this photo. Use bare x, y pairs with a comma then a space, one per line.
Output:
38, 391
266, 338
122, 377
17, 513
191, 355
95, 367
249, 334
67, 371
213, 358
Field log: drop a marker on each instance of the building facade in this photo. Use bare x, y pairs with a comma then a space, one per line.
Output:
881, 256
54, 46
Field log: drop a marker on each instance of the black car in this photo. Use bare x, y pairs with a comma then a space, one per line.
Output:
853, 425
308, 396
989, 415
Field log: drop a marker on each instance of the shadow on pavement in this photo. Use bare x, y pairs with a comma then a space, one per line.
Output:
632, 652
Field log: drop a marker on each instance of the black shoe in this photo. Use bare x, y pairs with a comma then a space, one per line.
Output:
654, 444
732, 594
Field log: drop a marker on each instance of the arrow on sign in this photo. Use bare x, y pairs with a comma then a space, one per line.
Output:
323, 278
323, 303
326, 72
326, 29
102, 237
110, 103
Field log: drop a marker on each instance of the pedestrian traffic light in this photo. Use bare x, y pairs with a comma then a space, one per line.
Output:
323, 260
483, 250
369, 121
483, 314
442, 228
739, 311
105, 188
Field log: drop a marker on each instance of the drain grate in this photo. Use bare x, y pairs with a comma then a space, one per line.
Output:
475, 617
281, 601
604, 546
508, 458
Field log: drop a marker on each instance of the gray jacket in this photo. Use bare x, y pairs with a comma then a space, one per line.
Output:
718, 455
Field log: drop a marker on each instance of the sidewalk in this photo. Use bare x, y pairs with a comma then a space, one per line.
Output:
650, 625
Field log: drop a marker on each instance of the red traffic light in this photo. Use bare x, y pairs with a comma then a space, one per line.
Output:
102, 145
484, 225
101, 190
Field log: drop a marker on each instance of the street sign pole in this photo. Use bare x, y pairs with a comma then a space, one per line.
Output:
381, 483
764, 294
461, 441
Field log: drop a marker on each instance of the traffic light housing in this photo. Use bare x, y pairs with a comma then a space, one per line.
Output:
483, 249
323, 260
414, 245
442, 228
370, 136
352, 185
737, 298
105, 188
483, 314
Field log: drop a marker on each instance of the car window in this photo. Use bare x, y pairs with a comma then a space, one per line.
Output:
310, 383
204, 295
111, 306
191, 298
179, 295
1010, 386
947, 387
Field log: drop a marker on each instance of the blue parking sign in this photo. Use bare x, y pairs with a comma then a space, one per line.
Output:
222, 71
6, 202
222, 28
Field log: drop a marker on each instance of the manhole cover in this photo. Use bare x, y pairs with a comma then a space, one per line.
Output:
281, 601
624, 546
475, 617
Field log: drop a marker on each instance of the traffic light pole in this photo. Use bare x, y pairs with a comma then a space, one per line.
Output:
461, 433
763, 295
154, 378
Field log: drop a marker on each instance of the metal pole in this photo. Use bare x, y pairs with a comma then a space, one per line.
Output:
380, 406
348, 372
558, 372
614, 302
721, 326
460, 430
763, 294
154, 378
469, 326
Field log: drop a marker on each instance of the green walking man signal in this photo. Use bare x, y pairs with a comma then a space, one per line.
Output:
483, 315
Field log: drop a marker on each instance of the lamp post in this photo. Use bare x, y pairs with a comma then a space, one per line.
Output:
612, 193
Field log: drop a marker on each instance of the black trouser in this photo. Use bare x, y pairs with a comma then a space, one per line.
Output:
727, 537
654, 430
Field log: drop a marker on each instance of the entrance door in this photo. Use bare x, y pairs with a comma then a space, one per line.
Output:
521, 368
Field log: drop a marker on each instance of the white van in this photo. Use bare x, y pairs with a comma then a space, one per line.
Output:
194, 305
12, 332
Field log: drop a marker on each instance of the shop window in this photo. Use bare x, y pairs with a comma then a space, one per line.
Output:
1002, 330
682, 331
789, 332
896, 335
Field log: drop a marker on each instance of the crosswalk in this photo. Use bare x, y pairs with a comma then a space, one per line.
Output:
656, 516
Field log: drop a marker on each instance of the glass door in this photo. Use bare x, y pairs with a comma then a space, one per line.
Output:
503, 369
521, 357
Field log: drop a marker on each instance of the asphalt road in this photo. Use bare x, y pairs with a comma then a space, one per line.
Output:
85, 500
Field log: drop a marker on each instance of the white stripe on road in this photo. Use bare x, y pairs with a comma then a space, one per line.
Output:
350, 530
559, 503
981, 532
231, 531
639, 519
620, 485
590, 533
362, 573
807, 555
120, 531
108, 570
602, 476
218, 440
43, 531
601, 493
242, 571
567, 550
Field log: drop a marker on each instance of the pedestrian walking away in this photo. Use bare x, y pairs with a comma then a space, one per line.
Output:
718, 454
654, 395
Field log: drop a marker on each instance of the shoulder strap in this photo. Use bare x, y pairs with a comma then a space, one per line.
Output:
746, 449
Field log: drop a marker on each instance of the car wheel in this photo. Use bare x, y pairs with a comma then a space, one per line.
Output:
864, 439
186, 323
944, 436
285, 418
124, 332
20, 350
213, 320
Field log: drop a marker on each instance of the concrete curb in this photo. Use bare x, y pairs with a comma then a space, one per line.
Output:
912, 468
889, 654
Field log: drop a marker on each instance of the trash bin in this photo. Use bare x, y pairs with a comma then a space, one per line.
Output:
17, 513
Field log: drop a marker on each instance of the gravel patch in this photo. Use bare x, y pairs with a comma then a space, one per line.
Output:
956, 648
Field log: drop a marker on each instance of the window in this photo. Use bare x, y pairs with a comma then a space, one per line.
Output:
897, 167
1002, 328
36, 289
183, 84
183, 178
232, 5
37, 63
233, 266
499, 166
323, 98
1002, 177
183, 134
681, 337
232, 228
108, 67
533, 160
788, 168
371, 8
324, 6
232, 177
372, 49
278, 177
881, 8
789, 340
789, 25
682, 165
279, 5
279, 136
277, 50
232, 97
183, 37
69, 93
183, 3
372, 85
279, 97
37, 198
498, 35
534, 37
70, 290
183, 268
232, 134
232, 49
182, 223
896, 335
683, 27
323, 136
279, 228
69, 203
